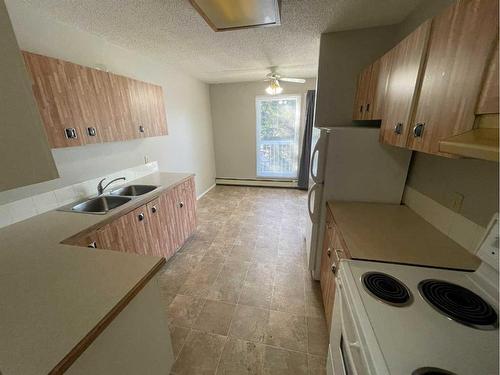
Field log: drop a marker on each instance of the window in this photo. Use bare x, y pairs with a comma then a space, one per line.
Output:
278, 124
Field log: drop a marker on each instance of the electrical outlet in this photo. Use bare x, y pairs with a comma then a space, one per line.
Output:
146, 159
457, 201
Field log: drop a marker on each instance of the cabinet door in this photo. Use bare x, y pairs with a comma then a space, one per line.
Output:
371, 90
488, 100
170, 212
56, 100
406, 67
327, 281
122, 115
159, 114
128, 233
84, 240
102, 102
361, 92
384, 69
189, 207
460, 44
157, 233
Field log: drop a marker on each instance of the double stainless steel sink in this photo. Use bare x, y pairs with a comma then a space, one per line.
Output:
102, 204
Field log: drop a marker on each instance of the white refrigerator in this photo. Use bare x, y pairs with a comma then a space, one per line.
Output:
349, 164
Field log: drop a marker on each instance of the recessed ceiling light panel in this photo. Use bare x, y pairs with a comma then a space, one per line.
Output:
223, 15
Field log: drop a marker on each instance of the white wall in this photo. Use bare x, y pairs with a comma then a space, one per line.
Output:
187, 148
342, 56
234, 123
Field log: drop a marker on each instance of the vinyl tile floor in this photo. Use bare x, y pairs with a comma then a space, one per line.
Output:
238, 296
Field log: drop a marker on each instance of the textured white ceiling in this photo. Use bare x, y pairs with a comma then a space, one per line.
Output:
172, 31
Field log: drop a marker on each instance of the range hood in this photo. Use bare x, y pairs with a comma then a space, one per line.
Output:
224, 15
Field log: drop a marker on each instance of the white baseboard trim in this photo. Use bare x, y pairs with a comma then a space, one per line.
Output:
457, 227
255, 182
206, 191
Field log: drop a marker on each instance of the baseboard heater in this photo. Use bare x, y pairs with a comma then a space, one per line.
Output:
256, 182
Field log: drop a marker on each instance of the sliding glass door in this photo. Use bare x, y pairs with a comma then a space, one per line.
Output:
278, 125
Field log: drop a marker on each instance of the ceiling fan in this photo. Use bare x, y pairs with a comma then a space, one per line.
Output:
274, 87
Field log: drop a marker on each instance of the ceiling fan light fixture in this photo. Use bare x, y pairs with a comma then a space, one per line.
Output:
274, 88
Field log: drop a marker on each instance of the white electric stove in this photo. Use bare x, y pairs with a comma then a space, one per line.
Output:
407, 320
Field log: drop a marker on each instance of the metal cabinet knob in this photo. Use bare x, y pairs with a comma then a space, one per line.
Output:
361, 109
329, 252
141, 129
91, 131
368, 107
181, 204
92, 245
418, 130
334, 268
398, 128
140, 216
70, 133
154, 209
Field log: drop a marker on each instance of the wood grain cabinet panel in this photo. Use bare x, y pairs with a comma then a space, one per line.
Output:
489, 100
100, 106
460, 45
361, 93
366, 90
159, 227
53, 94
406, 62
384, 69
334, 250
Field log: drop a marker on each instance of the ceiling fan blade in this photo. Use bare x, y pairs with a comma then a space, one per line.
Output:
294, 80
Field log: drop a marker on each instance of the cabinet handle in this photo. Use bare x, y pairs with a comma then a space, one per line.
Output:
181, 204
368, 107
141, 129
398, 128
338, 253
92, 245
140, 216
70, 133
334, 269
418, 130
91, 131
154, 209
361, 109
329, 252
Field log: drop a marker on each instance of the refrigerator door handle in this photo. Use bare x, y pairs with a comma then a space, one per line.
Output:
313, 159
312, 190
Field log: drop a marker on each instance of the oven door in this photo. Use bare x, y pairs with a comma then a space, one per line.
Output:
347, 357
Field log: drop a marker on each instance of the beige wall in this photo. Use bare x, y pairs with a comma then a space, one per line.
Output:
187, 148
342, 56
234, 121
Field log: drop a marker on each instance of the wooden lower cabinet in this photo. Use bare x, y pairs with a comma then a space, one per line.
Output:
159, 227
334, 250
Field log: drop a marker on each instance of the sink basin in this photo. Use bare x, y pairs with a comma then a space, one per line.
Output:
133, 190
100, 205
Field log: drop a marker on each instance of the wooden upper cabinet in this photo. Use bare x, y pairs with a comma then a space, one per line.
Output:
52, 90
405, 68
81, 105
366, 92
460, 46
384, 70
488, 100
361, 93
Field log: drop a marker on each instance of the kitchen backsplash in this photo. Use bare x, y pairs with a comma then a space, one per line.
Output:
457, 227
23, 209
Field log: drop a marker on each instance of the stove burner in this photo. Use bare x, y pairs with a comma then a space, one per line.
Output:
431, 371
386, 288
458, 303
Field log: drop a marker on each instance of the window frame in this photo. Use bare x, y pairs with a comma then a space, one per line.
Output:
297, 137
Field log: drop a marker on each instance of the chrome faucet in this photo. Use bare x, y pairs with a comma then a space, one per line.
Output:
100, 188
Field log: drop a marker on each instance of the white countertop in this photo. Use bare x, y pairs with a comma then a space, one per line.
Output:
52, 295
